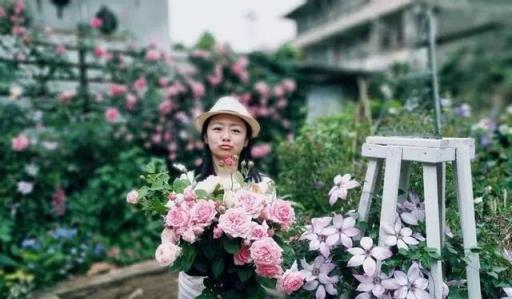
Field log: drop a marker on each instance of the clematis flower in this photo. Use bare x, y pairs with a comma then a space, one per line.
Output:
399, 236
367, 255
378, 286
412, 284
342, 231
508, 292
317, 235
341, 186
412, 211
317, 277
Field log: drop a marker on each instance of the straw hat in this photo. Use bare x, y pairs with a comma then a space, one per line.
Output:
229, 105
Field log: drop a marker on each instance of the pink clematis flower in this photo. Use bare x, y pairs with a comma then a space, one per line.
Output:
341, 186
412, 211
317, 235
399, 236
342, 231
412, 284
367, 255
375, 286
317, 277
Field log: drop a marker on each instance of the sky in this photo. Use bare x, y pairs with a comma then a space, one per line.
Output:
245, 24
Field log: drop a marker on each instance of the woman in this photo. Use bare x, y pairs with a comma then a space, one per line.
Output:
227, 131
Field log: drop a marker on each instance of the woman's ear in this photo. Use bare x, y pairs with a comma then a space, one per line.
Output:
246, 142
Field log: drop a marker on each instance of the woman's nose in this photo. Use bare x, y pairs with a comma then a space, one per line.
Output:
225, 136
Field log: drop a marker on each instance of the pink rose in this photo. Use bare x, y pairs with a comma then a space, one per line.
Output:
243, 256
162, 81
166, 254
168, 236
235, 223
140, 83
266, 252
131, 101
96, 23
66, 96
252, 203
117, 89
165, 107
278, 91
197, 88
153, 55
281, 212
261, 150
60, 49
204, 212
132, 197
262, 88
217, 233
258, 231
20, 143
216, 78
289, 85
100, 51
112, 114
177, 217
189, 194
272, 271
291, 281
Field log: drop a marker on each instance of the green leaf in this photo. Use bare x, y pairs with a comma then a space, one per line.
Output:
269, 283
217, 267
232, 246
207, 294
179, 185
201, 194
244, 273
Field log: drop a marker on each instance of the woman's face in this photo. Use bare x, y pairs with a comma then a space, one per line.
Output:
226, 135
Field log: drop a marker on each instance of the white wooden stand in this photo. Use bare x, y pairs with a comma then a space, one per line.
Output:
396, 153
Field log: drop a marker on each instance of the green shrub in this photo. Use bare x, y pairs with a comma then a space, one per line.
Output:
328, 147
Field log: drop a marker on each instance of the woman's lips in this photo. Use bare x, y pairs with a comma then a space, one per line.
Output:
226, 147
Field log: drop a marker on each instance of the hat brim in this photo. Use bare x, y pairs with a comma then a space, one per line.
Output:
253, 123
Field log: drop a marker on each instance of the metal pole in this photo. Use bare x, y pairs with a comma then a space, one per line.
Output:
432, 59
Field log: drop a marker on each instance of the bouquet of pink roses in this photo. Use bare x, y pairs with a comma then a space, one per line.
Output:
226, 231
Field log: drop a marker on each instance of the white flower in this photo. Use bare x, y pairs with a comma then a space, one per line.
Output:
209, 184
15, 91
342, 231
25, 187
190, 176
180, 167
317, 235
341, 186
31, 169
166, 254
132, 197
412, 284
50, 145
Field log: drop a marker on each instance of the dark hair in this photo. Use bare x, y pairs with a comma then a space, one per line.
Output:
206, 168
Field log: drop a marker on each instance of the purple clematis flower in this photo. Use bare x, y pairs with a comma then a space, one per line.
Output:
317, 277
317, 235
342, 231
412, 211
400, 236
341, 186
367, 255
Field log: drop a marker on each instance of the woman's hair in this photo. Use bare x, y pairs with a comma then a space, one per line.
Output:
206, 169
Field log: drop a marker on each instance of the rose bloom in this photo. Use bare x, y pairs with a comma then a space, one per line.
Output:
252, 203
132, 197
272, 271
117, 89
258, 231
20, 143
168, 236
235, 223
203, 212
177, 217
243, 256
266, 252
166, 254
112, 114
291, 281
96, 23
281, 211
153, 55
260, 151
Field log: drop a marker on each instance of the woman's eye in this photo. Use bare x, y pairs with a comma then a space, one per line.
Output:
236, 131
217, 129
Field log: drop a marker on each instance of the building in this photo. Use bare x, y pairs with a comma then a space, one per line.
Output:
368, 36
136, 20
372, 34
